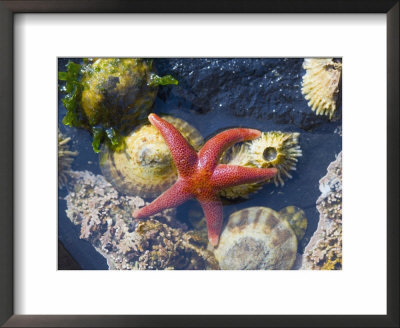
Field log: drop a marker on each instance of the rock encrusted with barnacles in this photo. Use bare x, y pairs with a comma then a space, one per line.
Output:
324, 251
160, 242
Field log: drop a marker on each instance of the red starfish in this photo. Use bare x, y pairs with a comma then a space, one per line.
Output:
200, 176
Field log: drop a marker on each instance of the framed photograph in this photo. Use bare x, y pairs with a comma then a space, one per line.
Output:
206, 165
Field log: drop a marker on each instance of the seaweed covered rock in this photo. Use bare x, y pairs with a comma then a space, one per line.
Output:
324, 251
266, 88
109, 96
117, 91
105, 220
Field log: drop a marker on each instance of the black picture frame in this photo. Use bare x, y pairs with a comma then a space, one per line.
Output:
10, 7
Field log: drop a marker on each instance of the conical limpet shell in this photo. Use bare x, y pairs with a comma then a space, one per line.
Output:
272, 149
256, 238
276, 149
144, 167
296, 218
321, 84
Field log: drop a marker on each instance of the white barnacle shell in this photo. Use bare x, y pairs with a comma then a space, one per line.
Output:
320, 84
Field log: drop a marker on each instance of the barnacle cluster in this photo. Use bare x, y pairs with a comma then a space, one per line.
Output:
104, 217
65, 159
320, 84
144, 166
324, 251
272, 149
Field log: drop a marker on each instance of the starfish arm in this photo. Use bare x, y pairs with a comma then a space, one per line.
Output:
172, 197
211, 152
212, 208
225, 176
185, 157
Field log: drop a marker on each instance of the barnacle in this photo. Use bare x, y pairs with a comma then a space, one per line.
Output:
276, 149
272, 149
321, 84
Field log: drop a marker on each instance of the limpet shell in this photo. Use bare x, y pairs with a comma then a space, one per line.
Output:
256, 238
276, 149
296, 218
321, 84
144, 167
272, 149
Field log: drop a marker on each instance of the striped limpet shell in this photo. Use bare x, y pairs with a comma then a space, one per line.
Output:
320, 84
256, 238
144, 167
296, 218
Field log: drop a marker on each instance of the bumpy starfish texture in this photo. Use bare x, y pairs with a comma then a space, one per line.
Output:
200, 176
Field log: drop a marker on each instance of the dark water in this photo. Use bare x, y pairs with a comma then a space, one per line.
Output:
215, 94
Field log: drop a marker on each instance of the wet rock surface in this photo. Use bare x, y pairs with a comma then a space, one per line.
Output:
261, 88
